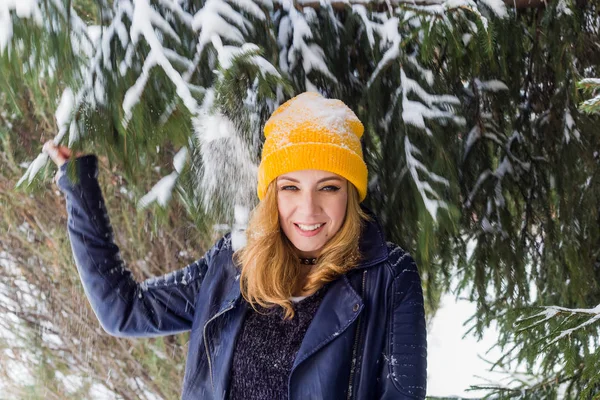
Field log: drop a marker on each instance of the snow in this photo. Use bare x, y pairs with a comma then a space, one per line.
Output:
590, 81
180, 159
411, 86
564, 7
23, 9
217, 23
456, 362
134, 93
225, 158
362, 13
176, 58
19, 366
430, 197
33, 169
390, 40
64, 113
176, 9
101, 392
497, 6
227, 54
388, 31
99, 92
295, 27
160, 192
216, 127
473, 136
552, 311
238, 234
466, 38
504, 168
592, 102
491, 85
331, 117
426, 74
212, 20
159, 22
142, 24
415, 112
144, 16
569, 127
252, 8
223, 135
266, 68
390, 55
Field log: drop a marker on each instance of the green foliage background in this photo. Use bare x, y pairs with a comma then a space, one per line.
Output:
513, 242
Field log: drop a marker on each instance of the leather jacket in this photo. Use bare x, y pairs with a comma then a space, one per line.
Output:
367, 340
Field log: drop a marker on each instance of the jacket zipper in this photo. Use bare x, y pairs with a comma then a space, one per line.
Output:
356, 340
206, 343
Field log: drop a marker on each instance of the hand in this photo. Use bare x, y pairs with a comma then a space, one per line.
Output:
58, 154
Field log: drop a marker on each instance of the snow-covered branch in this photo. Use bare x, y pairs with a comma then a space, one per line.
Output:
591, 85
549, 312
143, 23
162, 191
430, 197
379, 5
24, 9
295, 39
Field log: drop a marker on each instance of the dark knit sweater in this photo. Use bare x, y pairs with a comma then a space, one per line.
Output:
266, 348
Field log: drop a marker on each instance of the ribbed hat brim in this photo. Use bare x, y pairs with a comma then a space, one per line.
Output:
313, 155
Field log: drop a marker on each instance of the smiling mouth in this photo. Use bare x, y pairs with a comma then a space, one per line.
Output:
309, 228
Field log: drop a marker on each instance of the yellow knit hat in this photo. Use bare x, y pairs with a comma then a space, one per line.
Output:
311, 132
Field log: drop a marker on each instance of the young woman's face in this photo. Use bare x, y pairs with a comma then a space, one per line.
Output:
312, 206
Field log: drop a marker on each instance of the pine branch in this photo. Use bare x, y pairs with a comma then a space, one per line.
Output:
553, 311
387, 5
541, 387
522, 4
591, 85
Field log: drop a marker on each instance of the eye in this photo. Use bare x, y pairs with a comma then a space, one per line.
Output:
288, 187
330, 188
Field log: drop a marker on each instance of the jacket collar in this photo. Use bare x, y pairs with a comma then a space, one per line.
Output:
372, 244
341, 304
339, 308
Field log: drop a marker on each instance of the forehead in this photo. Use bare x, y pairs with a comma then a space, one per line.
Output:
310, 175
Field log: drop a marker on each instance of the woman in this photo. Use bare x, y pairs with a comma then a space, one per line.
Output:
316, 305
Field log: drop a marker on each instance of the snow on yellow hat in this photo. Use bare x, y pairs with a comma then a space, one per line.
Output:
312, 132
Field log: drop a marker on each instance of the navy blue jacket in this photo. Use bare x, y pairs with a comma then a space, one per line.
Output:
366, 341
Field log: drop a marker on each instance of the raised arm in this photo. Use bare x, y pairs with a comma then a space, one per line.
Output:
124, 307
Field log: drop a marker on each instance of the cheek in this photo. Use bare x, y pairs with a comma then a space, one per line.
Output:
338, 211
283, 207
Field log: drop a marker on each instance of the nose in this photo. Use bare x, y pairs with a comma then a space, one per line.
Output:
309, 203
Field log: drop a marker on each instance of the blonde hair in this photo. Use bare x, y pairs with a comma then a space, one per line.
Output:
270, 265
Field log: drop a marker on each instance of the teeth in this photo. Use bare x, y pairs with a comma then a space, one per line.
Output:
309, 227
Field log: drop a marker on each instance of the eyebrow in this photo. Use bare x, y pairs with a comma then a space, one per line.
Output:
329, 178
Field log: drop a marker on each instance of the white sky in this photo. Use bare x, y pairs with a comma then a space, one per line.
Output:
453, 362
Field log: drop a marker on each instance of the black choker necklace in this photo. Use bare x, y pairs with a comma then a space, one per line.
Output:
308, 261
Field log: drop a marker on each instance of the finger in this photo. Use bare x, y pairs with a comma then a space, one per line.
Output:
52, 151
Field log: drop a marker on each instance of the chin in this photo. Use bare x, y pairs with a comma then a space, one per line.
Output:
308, 247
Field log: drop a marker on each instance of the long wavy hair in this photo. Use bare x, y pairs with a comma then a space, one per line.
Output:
270, 266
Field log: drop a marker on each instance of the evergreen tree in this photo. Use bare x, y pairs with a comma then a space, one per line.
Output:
481, 163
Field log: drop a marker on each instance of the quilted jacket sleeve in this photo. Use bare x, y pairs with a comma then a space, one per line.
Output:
404, 373
124, 307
